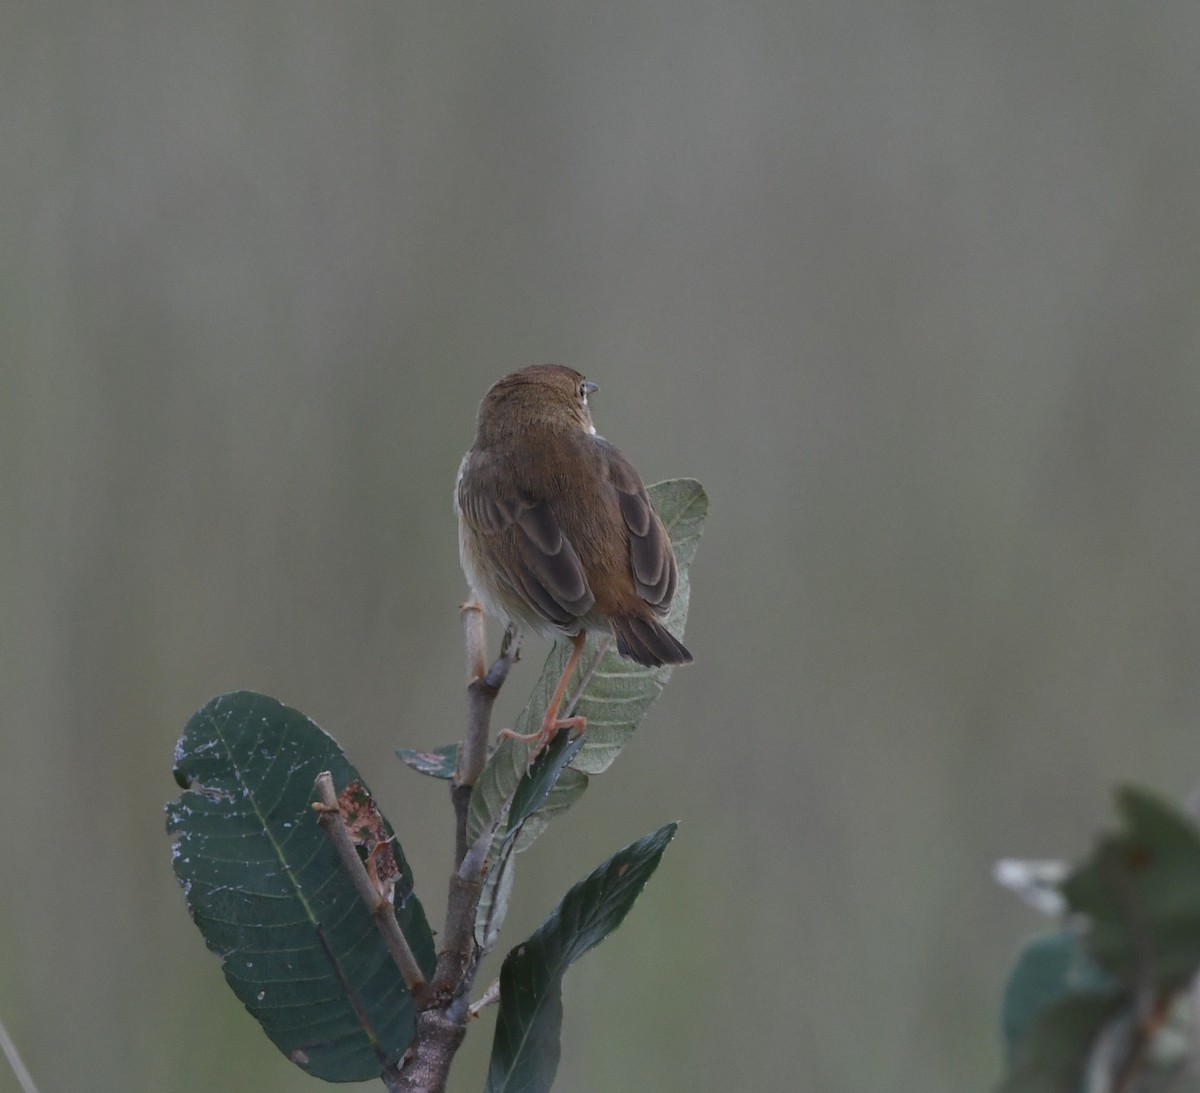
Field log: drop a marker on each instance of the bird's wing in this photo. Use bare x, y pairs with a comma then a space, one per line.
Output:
652, 561
526, 546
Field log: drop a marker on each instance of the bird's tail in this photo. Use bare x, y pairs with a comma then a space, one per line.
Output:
648, 642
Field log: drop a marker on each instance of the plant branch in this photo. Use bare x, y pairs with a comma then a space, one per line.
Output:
438, 1037
1145, 1029
442, 1017
484, 686
24, 1078
472, 752
442, 1004
1150, 1003
489, 998
457, 957
382, 911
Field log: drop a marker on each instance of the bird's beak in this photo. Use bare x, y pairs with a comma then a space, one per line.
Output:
590, 388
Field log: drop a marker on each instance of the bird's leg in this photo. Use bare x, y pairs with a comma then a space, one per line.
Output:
552, 723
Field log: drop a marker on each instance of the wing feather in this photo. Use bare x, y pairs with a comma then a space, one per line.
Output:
651, 559
525, 544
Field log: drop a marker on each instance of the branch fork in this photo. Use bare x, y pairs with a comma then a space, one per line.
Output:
442, 1003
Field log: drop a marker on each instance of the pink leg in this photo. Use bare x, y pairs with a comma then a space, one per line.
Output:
552, 723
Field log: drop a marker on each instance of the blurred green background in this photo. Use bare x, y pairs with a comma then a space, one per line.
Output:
912, 288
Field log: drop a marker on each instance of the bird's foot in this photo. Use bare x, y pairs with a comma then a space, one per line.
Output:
551, 727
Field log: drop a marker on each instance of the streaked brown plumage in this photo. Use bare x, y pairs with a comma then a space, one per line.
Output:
556, 532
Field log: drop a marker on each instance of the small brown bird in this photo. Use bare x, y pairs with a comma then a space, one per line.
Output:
556, 534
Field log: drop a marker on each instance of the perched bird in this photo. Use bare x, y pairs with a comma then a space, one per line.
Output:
556, 533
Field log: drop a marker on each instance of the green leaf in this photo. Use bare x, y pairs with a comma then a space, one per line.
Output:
526, 1050
542, 777
492, 907
439, 763
264, 886
530, 794
1068, 1007
1052, 1056
567, 790
1049, 969
618, 696
1140, 890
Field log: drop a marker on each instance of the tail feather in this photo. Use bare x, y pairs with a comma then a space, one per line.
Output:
648, 642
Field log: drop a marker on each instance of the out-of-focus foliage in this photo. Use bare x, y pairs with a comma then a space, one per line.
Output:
1102, 1005
1140, 891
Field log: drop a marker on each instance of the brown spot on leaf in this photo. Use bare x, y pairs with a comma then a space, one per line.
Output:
365, 825
1138, 858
